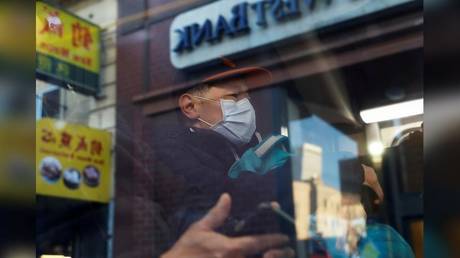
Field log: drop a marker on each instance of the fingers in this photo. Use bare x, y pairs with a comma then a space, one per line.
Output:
257, 244
280, 253
218, 214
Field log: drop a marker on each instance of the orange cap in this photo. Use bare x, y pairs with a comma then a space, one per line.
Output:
252, 75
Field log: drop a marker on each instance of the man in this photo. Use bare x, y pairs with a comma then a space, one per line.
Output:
193, 159
219, 125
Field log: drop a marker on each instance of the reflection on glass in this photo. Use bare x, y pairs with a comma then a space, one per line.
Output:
320, 136
327, 203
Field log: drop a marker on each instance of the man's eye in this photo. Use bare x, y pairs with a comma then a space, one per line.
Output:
232, 96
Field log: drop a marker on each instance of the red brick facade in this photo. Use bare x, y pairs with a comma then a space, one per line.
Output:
145, 73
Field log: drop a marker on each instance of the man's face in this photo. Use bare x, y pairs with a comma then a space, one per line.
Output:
210, 111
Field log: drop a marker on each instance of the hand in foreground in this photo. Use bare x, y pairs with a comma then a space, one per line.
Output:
371, 180
201, 240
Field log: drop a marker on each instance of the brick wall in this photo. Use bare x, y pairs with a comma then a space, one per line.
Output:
128, 236
135, 229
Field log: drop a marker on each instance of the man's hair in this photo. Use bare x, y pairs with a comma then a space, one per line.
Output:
199, 90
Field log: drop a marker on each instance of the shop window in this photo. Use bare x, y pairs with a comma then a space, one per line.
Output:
51, 104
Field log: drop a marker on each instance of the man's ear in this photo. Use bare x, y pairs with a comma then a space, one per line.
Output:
188, 106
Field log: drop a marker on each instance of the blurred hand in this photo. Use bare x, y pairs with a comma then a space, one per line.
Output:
201, 240
371, 180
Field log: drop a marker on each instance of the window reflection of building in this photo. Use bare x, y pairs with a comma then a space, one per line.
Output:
321, 210
318, 98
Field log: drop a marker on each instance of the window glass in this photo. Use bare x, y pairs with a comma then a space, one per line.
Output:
229, 128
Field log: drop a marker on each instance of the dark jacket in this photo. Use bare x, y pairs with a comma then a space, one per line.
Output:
193, 163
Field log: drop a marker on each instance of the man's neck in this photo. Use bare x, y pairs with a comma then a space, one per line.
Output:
200, 125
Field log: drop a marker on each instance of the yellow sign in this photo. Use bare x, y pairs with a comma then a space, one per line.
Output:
73, 161
67, 38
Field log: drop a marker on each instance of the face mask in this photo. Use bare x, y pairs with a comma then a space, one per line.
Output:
238, 123
263, 158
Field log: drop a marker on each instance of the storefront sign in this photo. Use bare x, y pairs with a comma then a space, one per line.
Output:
73, 161
232, 26
68, 49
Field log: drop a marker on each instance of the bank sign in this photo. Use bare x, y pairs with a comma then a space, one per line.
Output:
227, 27
67, 49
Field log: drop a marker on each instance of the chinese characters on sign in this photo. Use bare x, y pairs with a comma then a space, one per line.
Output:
81, 36
73, 161
95, 146
67, 48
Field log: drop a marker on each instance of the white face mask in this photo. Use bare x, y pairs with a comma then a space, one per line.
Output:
239, 120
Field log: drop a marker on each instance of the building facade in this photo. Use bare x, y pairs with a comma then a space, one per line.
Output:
68, 226
327, 60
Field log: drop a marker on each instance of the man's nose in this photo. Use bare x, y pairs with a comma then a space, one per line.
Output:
243, 95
